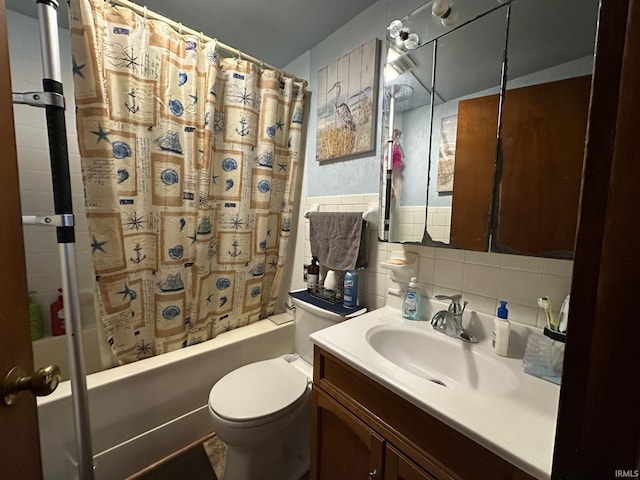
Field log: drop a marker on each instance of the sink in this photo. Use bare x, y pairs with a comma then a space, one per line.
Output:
442, 360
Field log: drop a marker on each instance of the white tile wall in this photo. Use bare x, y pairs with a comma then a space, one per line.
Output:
36, 195
410, 223
483, 278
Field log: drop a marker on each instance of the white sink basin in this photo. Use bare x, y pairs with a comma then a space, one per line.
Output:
448, 362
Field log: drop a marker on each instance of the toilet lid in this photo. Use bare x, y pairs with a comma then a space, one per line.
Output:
257, 390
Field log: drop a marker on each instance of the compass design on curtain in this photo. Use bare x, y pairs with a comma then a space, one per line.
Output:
239, 95
143, 349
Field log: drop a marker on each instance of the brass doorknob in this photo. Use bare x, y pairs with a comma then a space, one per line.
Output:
43, 382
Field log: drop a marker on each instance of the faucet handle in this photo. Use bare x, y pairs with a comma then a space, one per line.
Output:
455, 307
453, 298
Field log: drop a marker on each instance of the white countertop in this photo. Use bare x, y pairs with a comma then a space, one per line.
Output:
518, 426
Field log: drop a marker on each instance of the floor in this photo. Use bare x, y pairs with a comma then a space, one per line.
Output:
202, 460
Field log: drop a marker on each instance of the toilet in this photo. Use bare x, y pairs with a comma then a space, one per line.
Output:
262, 410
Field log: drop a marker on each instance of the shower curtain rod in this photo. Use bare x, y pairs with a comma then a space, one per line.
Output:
142, 10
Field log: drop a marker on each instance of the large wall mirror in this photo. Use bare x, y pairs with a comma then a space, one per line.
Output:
484, 125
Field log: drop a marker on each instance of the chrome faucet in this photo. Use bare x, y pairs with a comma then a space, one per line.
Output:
449, 321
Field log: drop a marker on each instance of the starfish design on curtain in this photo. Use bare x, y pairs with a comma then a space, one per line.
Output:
127, 292
77, 69
102, 134
96, 245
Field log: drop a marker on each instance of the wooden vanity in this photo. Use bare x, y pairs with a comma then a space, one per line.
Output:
362, 430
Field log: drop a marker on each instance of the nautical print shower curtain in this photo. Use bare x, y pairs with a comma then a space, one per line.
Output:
189, 163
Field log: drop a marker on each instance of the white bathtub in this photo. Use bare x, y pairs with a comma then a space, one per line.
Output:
144, 411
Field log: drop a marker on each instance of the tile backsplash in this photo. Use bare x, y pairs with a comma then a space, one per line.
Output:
483, 278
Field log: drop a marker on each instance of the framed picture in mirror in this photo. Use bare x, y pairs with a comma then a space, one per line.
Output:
447, 154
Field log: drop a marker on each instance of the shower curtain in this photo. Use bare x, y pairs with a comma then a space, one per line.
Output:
189, 163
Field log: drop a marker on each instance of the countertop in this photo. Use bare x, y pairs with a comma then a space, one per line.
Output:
518, 426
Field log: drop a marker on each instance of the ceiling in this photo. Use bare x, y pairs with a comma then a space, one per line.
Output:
275, 31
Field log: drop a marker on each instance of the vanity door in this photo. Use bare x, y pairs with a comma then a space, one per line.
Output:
399, 467
342, 447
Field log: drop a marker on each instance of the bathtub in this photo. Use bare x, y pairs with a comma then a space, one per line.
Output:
144, 411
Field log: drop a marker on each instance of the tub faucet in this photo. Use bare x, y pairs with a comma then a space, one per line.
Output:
449, 321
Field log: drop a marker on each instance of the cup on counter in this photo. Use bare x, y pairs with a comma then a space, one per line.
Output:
543, 357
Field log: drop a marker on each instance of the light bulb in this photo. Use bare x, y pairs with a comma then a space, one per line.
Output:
411, 42
394, 28
406, 40
450, 19
441, 8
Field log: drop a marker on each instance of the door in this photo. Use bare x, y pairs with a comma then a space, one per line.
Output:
399, 467
20, 452
342, 447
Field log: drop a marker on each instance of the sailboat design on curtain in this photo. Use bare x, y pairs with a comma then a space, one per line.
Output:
189, 224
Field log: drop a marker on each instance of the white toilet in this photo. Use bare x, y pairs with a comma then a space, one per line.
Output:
262, 412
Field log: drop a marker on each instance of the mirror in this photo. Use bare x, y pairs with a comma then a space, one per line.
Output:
487, 208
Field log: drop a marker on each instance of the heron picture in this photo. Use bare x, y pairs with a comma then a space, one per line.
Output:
347, 100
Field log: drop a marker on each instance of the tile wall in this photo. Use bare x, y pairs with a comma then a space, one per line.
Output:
410, 223
36, 194
482, 278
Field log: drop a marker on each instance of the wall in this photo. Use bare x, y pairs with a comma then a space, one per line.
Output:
363, 173
358, 176
36, 196
482, 278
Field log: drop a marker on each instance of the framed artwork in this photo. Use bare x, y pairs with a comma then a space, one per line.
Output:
347, 102
447, 154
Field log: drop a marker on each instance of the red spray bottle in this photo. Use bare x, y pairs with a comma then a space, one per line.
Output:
57, 316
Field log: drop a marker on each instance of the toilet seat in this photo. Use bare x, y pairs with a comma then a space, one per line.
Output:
258, 393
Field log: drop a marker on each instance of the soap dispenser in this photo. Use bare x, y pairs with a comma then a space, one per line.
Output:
411, 302
501, 329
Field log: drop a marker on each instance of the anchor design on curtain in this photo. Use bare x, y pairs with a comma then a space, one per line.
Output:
184, 213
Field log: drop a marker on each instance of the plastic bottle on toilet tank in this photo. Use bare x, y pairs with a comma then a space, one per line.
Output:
350, 294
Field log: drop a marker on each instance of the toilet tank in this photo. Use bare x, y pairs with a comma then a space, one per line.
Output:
308, 319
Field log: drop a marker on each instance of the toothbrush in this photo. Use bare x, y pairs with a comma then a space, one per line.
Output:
545, 304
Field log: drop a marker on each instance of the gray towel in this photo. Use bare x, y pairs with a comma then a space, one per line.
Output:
338, 239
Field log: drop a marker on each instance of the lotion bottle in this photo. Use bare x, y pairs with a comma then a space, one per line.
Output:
411, 302
501, 329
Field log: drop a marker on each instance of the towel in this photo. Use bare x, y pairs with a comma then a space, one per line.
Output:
338, 239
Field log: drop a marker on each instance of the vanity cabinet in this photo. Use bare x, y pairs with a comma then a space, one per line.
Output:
362, 430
